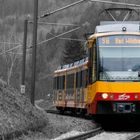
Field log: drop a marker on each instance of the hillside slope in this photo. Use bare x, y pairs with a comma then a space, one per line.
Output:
17, 115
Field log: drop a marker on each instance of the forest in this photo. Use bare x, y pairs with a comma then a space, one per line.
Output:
51, 53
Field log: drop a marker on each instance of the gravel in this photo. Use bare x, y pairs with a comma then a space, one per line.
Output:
59, 126
66, 135
64, 124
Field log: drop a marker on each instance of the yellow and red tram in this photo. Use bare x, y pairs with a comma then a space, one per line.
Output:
108, 81
70, 86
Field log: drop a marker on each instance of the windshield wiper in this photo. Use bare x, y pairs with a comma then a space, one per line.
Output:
138, 73
106, 75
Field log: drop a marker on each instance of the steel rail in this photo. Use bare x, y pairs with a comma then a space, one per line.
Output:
135, 137
53, 111
85, 135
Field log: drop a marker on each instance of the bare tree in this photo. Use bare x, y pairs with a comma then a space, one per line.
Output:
10, 57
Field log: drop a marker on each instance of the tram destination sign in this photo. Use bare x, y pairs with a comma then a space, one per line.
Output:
119, 40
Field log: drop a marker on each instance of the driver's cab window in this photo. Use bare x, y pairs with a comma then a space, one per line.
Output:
92, 63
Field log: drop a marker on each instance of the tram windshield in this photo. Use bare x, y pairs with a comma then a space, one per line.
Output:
119, 58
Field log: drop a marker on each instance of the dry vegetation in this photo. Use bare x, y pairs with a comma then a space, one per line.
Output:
17, 115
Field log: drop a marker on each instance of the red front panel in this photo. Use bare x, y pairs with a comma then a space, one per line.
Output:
112, 98
118, 97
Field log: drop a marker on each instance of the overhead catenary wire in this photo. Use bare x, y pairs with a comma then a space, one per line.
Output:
57, 36
65, 7
17, 53
73, 39
57, 24
60, 9
18, 46
9, 43
117, 3
80, 40
78, 2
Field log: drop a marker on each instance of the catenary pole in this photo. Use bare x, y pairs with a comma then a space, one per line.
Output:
24, 57
34, 51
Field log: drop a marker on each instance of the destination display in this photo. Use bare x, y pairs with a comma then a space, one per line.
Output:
119, 40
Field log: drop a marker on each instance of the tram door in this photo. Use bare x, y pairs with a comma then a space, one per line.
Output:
70, 94
80, 88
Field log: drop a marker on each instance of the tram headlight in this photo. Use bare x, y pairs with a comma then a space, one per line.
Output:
104, 95
136, 96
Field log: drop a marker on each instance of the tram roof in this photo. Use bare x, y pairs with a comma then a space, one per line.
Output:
118, 26
72, 65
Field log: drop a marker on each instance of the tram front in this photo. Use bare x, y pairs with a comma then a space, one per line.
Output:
115, 74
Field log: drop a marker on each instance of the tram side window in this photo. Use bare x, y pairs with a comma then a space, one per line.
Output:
84, 78
60, 82
63, 82
77, 79
81, 80
54, 83
70, 81
57, 84
90, 64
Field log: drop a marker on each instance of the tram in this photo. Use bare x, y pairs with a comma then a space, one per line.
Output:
108, 80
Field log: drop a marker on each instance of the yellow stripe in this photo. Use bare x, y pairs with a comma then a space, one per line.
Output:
112, 87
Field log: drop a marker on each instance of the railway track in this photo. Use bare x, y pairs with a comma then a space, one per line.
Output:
54, 111
87, 117
81, 136
97, 133
100, 134
135, 137
85, 135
